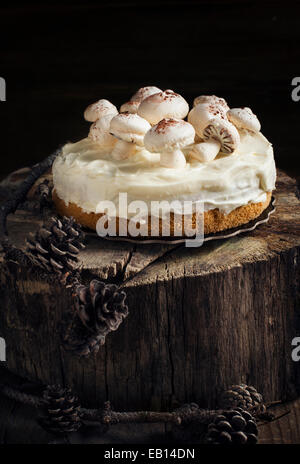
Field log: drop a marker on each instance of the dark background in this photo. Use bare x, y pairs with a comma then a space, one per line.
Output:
58, 58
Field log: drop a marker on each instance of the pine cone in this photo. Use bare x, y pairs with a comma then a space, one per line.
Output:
12, 253
101, 307
62, 409
82, 345
235, 426
55, 247
242, 396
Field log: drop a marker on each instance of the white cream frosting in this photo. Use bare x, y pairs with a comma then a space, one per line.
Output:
85, 174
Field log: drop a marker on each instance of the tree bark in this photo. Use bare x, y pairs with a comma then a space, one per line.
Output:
200, 319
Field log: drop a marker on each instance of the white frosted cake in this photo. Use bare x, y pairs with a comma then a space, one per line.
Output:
219, 158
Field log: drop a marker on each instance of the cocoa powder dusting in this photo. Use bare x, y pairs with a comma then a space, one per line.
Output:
164, 124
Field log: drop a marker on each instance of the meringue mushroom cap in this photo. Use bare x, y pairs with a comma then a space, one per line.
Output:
99, 131
129, 128
201, 114
144, 92
167, 104
211, 99
168, 135
244, 118
99, 109
223, 131
130, 107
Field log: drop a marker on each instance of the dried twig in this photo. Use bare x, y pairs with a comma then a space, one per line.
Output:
16, 394
65, 415
44, 191
11, 205
185, 414
107, 416
273, 418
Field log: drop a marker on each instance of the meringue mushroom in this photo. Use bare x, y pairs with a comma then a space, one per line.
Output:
99, 132
213, 99
137, 98
130, 107
244, 118
99, 109
201, 114
145, 92
224, 132
167, 104
205, 151
167, 138
130, 130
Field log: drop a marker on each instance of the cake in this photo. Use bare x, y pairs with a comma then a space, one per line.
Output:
217, 160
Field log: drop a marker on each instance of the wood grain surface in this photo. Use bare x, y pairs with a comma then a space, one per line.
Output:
200, 319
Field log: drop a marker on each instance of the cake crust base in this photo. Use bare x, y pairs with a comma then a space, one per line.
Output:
214, 220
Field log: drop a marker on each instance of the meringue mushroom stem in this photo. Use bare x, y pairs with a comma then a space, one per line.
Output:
206, 151
122, 150
173, 159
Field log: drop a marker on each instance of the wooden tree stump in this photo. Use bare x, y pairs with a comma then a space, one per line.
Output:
200, 319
